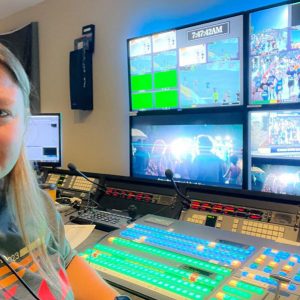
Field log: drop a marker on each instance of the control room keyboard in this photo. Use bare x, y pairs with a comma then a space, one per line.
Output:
104, 220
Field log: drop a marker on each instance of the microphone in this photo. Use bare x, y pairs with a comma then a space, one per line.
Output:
28, 288
186, 202
73, 168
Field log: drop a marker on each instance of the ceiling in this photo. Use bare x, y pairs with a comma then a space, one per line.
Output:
9, 7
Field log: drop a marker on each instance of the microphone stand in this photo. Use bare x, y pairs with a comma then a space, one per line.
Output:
132, 209
99, 187
186, 202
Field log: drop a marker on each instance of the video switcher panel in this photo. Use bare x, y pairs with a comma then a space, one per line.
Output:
262, 219
149, 198
167, 259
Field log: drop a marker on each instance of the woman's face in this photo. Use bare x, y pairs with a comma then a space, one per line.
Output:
12, 124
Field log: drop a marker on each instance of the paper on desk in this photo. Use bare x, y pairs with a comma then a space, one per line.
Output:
76, 234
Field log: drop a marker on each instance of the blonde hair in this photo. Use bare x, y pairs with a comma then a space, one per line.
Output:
21, 187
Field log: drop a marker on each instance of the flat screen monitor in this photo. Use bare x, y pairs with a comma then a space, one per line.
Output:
274, 55
275, 134
278, 179
191, 67
43, 139
196, 149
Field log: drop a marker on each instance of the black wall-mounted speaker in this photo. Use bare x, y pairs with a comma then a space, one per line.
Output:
81, 79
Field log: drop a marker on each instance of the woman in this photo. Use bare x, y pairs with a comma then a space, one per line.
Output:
31, 232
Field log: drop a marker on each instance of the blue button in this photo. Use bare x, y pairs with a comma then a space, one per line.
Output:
297, 278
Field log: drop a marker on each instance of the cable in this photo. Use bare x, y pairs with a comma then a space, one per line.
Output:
4, 260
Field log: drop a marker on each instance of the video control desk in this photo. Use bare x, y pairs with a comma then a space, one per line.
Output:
166, 259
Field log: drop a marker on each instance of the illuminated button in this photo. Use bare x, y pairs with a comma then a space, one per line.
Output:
237, 292
200, 248
281, 273
194, 277
253, 266
287, 268
111, 239
293, 259
292, 287
268, 270
297, 278
259, 261
212, 244
233, 283
250, 287
235, 263
284, 286
220, 295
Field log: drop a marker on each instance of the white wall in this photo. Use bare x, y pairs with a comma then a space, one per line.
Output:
98, 141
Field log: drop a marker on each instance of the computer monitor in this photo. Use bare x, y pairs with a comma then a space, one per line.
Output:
186, 68
199, 149
43, 139
275, 134
274, 55
275, 178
